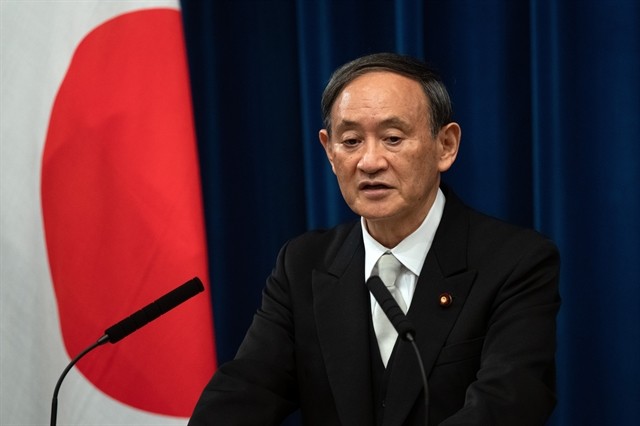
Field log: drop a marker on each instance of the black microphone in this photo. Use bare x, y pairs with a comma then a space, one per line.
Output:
391, 309
403, 326
153, 310
130, 324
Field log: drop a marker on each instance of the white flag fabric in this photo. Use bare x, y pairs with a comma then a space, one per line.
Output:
101, 213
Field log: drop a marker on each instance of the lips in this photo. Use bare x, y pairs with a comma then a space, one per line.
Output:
373, 186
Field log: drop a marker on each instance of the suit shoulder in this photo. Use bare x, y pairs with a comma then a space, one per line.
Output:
487, 224
326, 241
495, 237
484, 229
320, 249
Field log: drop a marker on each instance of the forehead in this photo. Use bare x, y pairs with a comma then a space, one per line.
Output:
381, 92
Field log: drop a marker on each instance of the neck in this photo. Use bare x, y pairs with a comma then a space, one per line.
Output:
391, 231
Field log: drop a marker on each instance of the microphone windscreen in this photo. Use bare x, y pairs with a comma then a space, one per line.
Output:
390, 307
153, 310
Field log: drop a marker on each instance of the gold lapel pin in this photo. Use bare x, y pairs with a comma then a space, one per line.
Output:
445, 300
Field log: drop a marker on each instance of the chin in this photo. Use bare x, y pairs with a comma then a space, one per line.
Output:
375, 216
374, 211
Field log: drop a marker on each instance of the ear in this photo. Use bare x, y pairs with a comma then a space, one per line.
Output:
448, 143
325, 140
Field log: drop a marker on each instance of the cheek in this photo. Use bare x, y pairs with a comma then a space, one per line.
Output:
420, 172
345, 177
344, 166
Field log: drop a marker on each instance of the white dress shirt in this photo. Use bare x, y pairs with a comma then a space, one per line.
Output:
411, 252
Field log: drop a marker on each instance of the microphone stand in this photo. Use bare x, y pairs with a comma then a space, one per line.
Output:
54, 402
423, 374
402, 325
132, 323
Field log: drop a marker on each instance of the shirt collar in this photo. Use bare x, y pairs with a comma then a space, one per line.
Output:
412, 251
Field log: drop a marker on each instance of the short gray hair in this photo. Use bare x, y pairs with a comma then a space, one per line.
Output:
440, 107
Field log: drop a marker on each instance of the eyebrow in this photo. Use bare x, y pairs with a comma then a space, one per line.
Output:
393, 121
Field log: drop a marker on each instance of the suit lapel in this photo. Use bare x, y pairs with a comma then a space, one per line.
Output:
444, 271
341, 307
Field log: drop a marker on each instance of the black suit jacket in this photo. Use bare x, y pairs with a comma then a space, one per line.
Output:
489, 355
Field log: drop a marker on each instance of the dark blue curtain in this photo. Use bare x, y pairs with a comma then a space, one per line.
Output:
548, 97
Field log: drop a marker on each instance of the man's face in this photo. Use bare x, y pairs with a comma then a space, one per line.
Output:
382, 151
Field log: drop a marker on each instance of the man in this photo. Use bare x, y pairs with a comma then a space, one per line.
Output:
481, 294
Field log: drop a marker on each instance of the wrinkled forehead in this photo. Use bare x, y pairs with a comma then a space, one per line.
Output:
383, 93
381, 78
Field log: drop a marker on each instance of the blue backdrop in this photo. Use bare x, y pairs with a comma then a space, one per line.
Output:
548, 97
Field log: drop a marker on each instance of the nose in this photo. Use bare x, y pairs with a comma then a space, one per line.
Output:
373, 157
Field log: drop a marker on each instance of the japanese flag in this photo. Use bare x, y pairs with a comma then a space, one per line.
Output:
101, 213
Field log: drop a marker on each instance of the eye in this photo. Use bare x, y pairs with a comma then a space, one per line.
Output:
349, 143
393, 140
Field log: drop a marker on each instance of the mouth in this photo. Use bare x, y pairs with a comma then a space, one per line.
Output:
373, 187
